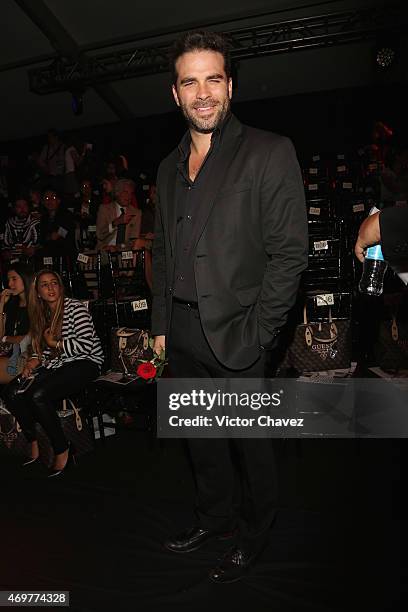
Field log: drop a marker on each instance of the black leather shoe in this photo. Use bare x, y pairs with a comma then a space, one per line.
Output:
233, 565
194, 538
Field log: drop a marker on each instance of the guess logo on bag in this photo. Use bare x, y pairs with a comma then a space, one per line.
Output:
325, 350
133, 354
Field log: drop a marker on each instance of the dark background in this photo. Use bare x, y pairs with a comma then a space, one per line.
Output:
327, 121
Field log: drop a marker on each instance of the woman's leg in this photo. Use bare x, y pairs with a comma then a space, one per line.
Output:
58, 384
20, 406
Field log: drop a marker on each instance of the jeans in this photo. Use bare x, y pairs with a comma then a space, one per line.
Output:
39, 404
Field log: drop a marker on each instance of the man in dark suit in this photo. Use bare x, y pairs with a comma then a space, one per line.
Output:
230, 245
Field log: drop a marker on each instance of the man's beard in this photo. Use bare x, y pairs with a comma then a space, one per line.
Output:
205, 125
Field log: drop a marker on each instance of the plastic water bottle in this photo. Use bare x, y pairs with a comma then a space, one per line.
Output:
374, 267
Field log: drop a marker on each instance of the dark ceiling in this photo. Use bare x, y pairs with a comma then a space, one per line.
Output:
35, 32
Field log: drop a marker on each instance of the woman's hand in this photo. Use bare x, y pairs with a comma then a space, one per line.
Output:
29, 367
49, 338
5, 296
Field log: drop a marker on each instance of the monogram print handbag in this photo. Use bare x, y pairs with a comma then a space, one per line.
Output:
128, 347
391, 347
322, 346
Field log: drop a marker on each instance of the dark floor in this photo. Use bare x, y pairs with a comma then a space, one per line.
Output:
339, 542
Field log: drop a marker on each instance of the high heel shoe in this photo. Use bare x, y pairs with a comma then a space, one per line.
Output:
71, 461
29, 461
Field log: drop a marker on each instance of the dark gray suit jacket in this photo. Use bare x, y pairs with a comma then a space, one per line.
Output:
394, 237
251, 244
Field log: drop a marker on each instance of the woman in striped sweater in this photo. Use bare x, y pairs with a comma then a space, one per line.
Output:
67, 355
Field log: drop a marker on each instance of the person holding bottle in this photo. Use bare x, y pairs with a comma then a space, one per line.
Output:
390, 228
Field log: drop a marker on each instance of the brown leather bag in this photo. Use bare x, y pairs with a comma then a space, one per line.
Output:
12, 440
317, 347
76, 431
129, 346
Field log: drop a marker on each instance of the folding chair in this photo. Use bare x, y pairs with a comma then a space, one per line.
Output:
131, 293
86, 276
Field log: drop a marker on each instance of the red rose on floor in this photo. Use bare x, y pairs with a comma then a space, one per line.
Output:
146, 370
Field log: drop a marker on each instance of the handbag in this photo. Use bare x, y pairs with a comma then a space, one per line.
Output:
75, 429
129, 346
77, 432
6, 349
391, 347
12, 439
318, 347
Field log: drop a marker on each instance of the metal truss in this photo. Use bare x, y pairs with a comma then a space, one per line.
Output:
284, 36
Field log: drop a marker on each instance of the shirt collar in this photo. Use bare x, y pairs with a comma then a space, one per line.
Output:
217, 136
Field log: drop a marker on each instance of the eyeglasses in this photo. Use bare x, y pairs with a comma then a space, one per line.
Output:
50, 197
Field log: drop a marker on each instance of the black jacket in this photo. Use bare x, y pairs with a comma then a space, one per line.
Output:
63, 222
394, 236
251, 243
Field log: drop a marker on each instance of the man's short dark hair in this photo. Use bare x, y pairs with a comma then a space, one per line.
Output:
200, 40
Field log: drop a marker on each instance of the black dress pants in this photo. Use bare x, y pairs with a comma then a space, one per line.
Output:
236, 478
39, 404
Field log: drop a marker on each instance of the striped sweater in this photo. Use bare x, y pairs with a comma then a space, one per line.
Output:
79, 340
21, 231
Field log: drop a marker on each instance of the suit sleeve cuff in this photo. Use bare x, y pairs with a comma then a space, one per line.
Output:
268, 340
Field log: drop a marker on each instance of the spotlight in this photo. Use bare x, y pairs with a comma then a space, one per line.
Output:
385, 57
385, 53
77, 102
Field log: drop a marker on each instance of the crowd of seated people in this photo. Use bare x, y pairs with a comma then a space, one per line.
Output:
49, 340
70, 202
67, 204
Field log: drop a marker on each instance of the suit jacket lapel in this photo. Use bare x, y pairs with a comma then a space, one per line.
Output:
172, 205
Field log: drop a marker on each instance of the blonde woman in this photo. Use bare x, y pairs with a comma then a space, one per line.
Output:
67, 355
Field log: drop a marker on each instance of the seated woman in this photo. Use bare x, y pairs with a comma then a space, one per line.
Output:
14, 325
67, 355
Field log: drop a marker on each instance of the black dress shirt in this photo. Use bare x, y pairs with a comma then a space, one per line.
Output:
189, 195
